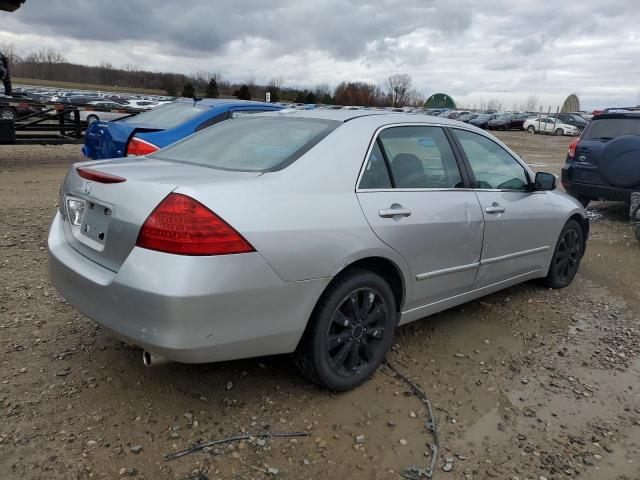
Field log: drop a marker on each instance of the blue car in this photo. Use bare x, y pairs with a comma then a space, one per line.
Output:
154, 129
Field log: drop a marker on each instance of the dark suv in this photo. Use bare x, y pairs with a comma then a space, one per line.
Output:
604, 163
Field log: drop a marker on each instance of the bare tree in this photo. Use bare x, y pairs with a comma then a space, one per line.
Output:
399, 87
532, 103
10, 52
46, 61
493, 105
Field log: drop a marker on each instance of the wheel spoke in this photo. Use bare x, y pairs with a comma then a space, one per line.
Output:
375, 332
338, 339
352, 362
374, 315
367, 302
367, 349
341, 319
341, 356
354, 305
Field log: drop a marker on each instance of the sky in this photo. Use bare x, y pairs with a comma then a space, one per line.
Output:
588, 47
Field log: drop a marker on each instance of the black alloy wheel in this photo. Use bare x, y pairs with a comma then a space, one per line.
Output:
566, 257
349, 332
354, 336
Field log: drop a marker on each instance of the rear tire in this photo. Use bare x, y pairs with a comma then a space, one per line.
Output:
566, 256
92, 118
350, 331
637, 232
531, 129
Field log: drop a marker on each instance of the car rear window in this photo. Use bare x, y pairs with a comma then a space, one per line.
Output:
168, 116
255, 144
608, 128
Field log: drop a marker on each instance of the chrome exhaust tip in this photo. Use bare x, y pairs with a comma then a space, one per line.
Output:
152, 360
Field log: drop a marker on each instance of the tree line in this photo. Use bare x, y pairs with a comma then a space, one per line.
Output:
50, 64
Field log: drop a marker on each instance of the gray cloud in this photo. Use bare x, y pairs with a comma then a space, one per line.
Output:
456, 46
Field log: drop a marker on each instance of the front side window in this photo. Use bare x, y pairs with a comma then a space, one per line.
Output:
420, 157
493, 167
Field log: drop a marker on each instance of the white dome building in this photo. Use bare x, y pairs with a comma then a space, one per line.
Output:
518, 101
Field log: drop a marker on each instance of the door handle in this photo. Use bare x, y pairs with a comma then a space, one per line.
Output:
394, 210
494, 208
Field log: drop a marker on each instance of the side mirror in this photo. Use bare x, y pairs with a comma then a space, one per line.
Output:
545, 181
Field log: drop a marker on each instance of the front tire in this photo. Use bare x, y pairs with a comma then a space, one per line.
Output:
91, 119
349, 332
566, 257
559, 132
531, 129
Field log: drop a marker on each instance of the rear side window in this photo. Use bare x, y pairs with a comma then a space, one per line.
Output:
168, 116
608, 128
376, 174
250, 143
418, 157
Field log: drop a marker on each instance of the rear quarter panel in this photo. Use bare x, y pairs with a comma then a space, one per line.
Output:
305, 219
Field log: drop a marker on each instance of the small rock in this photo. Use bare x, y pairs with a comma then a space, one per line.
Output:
360, 439
272, 471
229, 385
412, 414
391, 423
524, 381
459, 355
448, 464
403, 442
136, 449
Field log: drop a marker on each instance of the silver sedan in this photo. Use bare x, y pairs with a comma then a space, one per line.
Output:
312, 232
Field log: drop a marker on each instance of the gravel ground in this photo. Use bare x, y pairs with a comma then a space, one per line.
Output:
527, 383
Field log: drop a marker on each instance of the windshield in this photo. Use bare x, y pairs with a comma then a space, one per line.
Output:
255, 144
608, 128
168, 116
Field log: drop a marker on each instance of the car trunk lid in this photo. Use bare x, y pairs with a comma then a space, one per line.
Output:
103, 217
109, 139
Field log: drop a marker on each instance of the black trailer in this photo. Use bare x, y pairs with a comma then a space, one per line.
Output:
46, 124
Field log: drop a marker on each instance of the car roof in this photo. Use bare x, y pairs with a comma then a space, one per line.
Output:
212, 102
629, 114
380, 117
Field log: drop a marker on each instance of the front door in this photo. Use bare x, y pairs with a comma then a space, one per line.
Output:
412, 194
517, 237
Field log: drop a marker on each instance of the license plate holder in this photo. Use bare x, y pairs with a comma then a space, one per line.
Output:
95, 221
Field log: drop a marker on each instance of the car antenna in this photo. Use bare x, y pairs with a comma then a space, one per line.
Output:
196, 100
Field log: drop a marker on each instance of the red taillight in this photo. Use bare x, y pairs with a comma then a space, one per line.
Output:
97, 176
138, 147
572, 147
184, 226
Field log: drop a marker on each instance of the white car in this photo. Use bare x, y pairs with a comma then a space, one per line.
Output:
99, 114
142, 104
549, 125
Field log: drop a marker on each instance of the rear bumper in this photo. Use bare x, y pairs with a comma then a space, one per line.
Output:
187, 309
594, 191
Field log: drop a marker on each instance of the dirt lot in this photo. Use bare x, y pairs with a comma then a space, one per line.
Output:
528, 383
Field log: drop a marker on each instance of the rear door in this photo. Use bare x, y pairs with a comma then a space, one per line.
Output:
413, 195
518, 229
